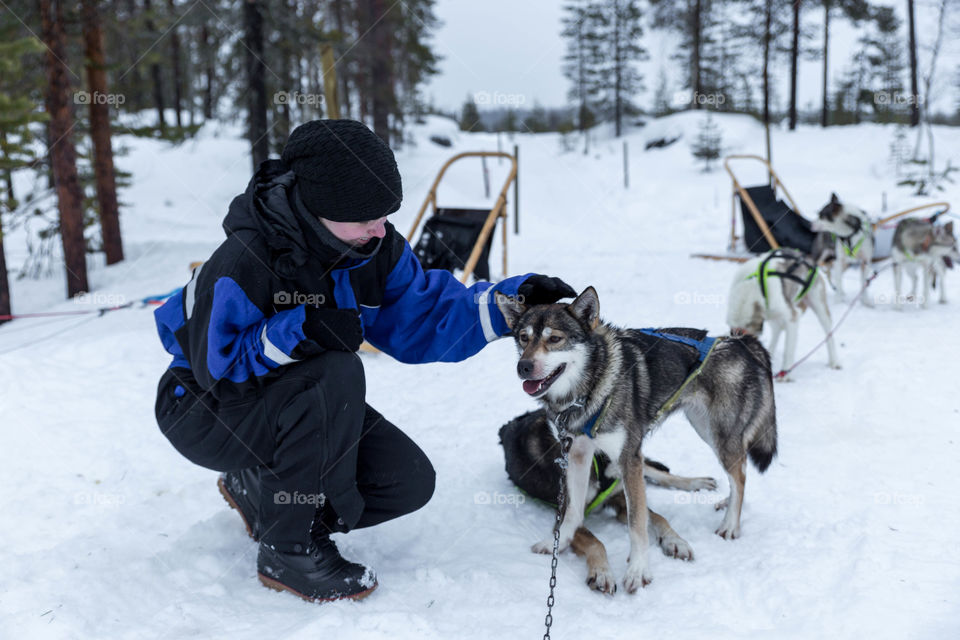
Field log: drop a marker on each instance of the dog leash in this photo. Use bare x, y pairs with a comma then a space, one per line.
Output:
785, 372
548, 620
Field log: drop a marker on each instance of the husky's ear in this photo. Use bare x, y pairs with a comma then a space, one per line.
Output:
948, 228
586, 307
834, 199
510, 307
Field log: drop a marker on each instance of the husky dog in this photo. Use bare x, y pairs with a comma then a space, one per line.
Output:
779, 286
927, 247
606, 388
854, 232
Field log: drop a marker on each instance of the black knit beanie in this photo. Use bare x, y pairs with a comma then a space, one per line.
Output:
344, 171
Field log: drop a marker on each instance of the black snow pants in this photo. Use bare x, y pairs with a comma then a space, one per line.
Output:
314, 440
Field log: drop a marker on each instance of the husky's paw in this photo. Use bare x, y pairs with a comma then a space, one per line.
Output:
703, 484
676, 547
720, 506
601, 579
836, 366
786, 378
637, 577
546, 545
728, 531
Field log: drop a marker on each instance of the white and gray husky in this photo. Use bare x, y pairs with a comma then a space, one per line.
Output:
854, 242
779, 286
605, 388
921, 245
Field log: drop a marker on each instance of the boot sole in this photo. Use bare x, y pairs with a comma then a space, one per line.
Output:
233, 505
270, 583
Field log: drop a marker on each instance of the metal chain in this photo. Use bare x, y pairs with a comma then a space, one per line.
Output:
548, 620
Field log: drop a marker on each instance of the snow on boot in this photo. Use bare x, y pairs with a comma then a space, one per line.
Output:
320, 574
241, 490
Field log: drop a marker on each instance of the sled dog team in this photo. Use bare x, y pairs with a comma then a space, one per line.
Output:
603, 389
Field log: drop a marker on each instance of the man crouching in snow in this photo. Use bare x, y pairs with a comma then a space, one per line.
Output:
265, 383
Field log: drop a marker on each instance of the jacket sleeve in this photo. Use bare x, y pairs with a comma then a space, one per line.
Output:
430, 316
233, 332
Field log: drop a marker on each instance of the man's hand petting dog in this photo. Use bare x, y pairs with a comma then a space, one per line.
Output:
540, 289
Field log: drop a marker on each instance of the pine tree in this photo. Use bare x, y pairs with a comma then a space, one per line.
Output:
621, 28
16, 114
708, 144
470, 116
582, 23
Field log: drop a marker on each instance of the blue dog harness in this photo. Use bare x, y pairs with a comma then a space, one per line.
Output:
703, 347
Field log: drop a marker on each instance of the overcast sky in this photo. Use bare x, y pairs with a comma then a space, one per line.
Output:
509, 53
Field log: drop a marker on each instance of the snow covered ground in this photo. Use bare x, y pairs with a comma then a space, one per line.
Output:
109, 533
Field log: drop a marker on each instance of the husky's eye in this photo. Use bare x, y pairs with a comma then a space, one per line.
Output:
554, 339
522, 337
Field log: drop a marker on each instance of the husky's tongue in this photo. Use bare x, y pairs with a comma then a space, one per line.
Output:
532, 386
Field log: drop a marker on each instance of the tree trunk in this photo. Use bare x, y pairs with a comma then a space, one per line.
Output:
825, 109
914, 89
177, 71
208, 54
767, 37
4, 283
618, 73
341, 62
380, 72
63, 155
794, 57
155, 75
100, 134
695, 80
257, 90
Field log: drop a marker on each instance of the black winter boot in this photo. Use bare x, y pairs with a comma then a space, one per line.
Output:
241, 490
320, 574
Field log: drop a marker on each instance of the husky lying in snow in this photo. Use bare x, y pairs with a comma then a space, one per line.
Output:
532, 453
779, 286
919, 245
854, 243
605, 388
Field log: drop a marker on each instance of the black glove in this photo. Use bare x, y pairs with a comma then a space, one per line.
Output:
540, 289
334, 329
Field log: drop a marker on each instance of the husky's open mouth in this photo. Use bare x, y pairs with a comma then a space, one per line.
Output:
537, 387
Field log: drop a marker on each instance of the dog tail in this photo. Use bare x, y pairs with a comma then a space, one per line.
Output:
763, 448
760, 436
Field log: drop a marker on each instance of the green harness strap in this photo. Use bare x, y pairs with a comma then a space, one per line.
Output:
852, 252
672, 400
765, 271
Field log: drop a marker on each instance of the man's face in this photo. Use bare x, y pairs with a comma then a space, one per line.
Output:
357, 233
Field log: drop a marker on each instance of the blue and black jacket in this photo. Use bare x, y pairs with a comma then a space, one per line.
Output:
241, 317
